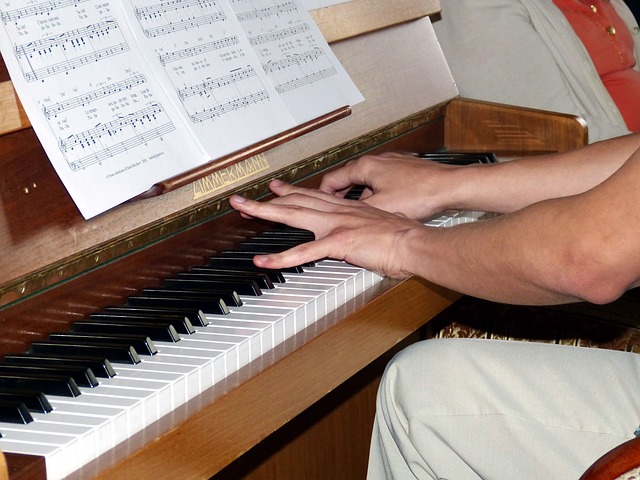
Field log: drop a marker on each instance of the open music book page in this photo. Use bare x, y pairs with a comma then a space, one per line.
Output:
125, 94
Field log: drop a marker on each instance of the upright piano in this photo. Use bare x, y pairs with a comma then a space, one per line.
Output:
301, 405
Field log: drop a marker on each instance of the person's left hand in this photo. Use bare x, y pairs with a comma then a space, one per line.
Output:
344, 229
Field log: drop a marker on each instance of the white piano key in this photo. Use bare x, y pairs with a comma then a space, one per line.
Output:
273, 325
141, 375
200, 369
298, 309
264, 328
320, 296
217, 358
232, 352
253, 336
59, 462
306, 299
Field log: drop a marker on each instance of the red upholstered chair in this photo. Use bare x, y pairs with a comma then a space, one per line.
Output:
621, 463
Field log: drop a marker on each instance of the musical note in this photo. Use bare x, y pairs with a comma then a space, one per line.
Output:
279, 35
109, 139
209, 85
56, 54
190, 14
305, 80
39, 9
57, 108
231, 106
262, 13
198, 50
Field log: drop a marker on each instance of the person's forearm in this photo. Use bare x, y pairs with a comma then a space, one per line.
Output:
551, 252
510, 186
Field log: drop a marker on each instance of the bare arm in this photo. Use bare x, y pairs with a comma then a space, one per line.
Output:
579, 247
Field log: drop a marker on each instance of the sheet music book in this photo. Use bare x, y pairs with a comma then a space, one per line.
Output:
126, 93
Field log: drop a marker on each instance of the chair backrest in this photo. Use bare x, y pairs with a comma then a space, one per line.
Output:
621, 463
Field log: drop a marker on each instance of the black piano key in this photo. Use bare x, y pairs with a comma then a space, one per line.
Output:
13, 411
287, 240
354, 192
263, 279
228, 296
123, 354
264, 246
212, 305
100, 366
244, 262
180, 323
83, 376
459, 158
250, 254
141, 343
35, 401
195, 316
203, 283
162, 332
47, 384
304, 235
247, 265
236, 278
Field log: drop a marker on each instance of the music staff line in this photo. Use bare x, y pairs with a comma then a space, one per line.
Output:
209, 85
57, 108
93, 136
293, 60
61, 67
153, 11
258, 14
192, 51
231, 106
184, 25
39, 9
75, 37
279, 35
121, 147
306, 80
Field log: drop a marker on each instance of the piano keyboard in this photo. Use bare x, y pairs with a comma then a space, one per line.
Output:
172, 361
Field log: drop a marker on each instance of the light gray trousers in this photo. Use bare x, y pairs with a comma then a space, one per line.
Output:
463, 409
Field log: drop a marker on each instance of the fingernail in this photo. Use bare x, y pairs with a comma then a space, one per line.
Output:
260, 259
277, 182
238, 198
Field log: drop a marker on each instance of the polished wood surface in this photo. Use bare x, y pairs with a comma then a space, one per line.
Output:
4, 473
621, 463
510, 130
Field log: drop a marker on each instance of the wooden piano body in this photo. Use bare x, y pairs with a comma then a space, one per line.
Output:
304, 409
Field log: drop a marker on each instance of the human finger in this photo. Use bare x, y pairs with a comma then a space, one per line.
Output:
298, 212
298, 255
283, 189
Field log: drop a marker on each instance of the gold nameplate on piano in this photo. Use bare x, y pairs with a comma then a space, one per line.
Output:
229, 176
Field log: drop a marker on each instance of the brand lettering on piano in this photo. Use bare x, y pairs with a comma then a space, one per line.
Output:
229, 176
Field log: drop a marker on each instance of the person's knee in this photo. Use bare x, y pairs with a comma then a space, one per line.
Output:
422, 369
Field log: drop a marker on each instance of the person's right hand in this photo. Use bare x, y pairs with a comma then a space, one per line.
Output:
397, 183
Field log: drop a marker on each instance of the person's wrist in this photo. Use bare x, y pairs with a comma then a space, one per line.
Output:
412, 246
462, 192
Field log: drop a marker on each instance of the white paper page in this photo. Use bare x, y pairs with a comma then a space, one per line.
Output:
108, 129
297, 59
200, 55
